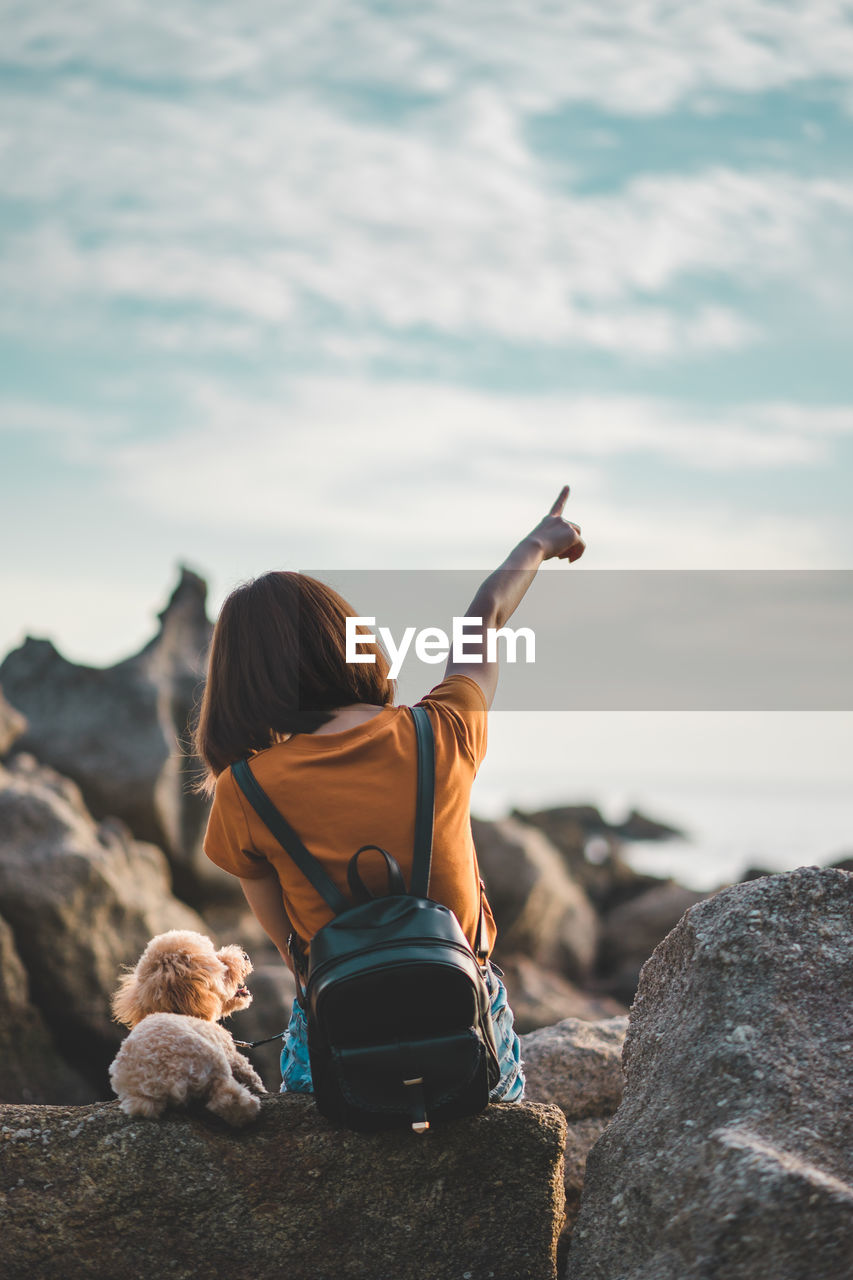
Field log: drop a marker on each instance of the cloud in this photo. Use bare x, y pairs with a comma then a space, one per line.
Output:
284, 219
633, 57
329, 468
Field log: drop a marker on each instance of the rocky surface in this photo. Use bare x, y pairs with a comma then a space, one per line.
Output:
540, 997
87, 1192
631, 931
117, 732
591, 849
731, 1154
12, 725
539, 910
31, 1069
576, 1066
82, 899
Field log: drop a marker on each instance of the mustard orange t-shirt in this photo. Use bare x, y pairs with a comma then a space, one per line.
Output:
343, 790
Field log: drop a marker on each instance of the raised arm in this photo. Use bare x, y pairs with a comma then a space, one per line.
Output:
500, 594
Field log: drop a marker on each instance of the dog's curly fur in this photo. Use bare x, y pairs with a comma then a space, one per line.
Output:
176, 1050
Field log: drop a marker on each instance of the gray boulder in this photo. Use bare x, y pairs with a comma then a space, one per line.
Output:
31, 1069
631, 931
731, 1154
87, 1192
576, 1066
539, 910
117, 732
540, 997
82, 899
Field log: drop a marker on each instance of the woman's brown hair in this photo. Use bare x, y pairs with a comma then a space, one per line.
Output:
278, 665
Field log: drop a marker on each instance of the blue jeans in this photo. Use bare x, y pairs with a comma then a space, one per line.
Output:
296, 1069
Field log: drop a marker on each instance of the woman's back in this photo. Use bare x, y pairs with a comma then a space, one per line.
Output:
340, 790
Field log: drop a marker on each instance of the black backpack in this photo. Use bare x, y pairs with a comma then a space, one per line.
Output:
399, 1018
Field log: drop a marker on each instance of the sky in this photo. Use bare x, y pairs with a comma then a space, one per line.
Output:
360, 286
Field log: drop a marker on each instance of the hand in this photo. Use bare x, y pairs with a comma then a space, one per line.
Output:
558, 537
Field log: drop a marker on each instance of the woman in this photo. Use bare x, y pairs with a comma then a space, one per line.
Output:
336, 757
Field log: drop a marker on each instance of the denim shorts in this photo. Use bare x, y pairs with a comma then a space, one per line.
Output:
296, 1069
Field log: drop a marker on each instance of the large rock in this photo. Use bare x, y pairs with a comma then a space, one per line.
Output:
90, 1193
732, 1151
539, 910
631, 932
540, 997
82, 900
12, 726
576, 1066
31, 1069
117, 732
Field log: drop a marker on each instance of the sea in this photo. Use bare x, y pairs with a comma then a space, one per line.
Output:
728, 828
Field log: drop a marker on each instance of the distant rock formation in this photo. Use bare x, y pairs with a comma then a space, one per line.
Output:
732, 1150
116, 732
575, 830
89, 1192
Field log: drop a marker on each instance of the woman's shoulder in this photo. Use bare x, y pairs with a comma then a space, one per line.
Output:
460, 713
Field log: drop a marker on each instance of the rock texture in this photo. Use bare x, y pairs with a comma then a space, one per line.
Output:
87, 1192
117, 732
31, 1069
82, 899
12, 726
631, 931
539, 910
539, 997
731, 1154
576, 1066
591, 849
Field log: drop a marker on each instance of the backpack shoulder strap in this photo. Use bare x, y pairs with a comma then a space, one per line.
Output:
287, 837
425, 804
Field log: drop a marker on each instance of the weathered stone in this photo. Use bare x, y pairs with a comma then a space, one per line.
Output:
631, 932
87, 1192
12, 725
576, 1066
539, 997
31, 1069
731, 1154
540, 911
82, 900
117, 732
591, 850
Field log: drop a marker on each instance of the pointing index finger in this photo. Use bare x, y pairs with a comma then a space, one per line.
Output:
557, 509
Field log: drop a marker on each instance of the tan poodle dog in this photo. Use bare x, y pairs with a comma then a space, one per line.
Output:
176, 1050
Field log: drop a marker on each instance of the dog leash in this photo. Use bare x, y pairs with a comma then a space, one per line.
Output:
253, 1044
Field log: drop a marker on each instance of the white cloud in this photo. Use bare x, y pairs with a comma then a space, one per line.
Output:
635, 56
282, 206
331, 467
